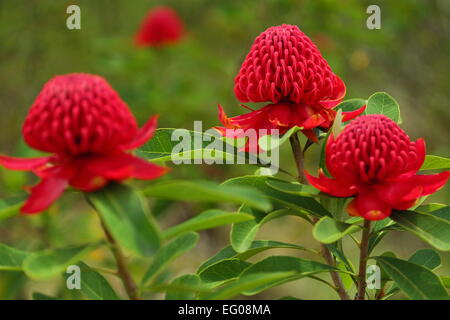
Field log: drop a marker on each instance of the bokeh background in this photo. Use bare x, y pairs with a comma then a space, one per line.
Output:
408, 58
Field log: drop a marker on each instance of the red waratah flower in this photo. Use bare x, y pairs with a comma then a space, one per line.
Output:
89, 130
160, 27
286, 69
374, 160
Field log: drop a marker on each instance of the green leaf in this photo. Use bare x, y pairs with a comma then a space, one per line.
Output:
248, 282
185, 287
170, 252
351, 105
304, 205
41, 296
206, 220
49, 263
243, 233
256, 247
427, 258
446, 282
207, 191
127, 218
383, 103
417, 282
93, 284
224, 270
431, 228
328, 230
11, 259
435, 163
270, 142
299, 268
293, 188
188, 145
10, 207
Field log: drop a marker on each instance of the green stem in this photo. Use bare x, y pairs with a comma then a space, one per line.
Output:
122, 269
298, 155
363, 254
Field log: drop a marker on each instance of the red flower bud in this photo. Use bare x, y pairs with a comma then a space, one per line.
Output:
374, 160
88, 128
285, 68
161, 26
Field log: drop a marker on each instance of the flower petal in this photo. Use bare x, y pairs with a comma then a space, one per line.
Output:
369, 205
145, 170
349, 115
44, 194
334, 187
143, 135
14, 163
339, 94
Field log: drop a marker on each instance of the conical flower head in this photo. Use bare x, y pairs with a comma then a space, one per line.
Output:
88, 129
77, 114
284, 65
374, 160
160, 27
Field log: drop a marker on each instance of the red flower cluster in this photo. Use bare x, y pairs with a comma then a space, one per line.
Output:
374, 160
285, 68
160, 27
89, 129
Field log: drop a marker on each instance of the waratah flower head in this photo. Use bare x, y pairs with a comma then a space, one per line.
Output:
88, 129
375, 161
284, 65
284, 68
161, 26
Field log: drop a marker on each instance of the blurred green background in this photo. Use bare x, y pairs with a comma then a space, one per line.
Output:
408, 58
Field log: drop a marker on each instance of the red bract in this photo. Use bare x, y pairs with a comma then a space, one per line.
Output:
161, 26
285, 68
89, 129
374, 160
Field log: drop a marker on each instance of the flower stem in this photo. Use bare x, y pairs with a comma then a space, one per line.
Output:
363, 253
325, 252
122, 269
298, 155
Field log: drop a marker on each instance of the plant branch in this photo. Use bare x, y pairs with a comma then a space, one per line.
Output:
122, 269
363, 253
298, 155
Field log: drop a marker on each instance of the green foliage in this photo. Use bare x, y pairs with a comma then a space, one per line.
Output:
328, 230
416, 281
434, 227
383, 103
127, 218
10, 206
435, 163
207, 191
11, 259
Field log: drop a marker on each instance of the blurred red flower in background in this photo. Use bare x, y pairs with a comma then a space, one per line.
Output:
160, 27
374, 160
89, 129
285, 68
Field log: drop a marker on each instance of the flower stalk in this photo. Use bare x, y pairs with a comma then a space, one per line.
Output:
363, 254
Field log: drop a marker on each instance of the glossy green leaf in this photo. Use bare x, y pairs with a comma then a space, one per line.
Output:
11, 259
93, 284
185, 287
270, 142
127, 218
446, 282
417, 282
41, 296
435, 163
223, 270
431, 228
328, 230
170, 144
383, 103
10, 206
299, 267
304, 205
293, 188
49, 263
351, 104
170, 252
207, 191
427, 258
206, 220
246, 283
256, 247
